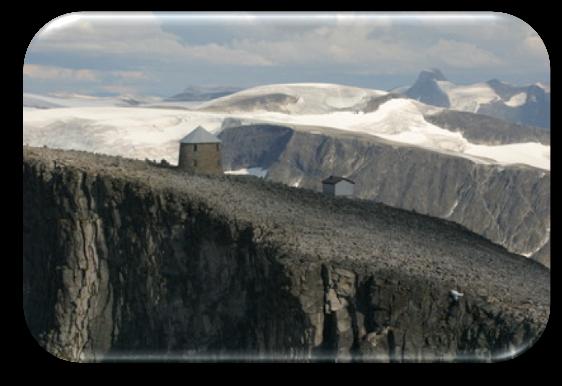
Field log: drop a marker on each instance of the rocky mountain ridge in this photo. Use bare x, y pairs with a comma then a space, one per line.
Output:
123, 259
525, 105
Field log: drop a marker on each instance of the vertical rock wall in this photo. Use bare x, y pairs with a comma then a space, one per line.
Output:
116, 270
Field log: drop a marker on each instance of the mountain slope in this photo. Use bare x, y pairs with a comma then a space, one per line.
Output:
125, 260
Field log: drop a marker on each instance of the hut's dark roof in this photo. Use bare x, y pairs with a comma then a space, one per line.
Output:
332, 180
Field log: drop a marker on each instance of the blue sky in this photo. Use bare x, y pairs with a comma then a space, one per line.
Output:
161, 54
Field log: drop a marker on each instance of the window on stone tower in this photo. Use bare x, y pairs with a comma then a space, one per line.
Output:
194, 147
194, 162
218, 148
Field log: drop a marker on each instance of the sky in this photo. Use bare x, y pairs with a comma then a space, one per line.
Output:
161, 54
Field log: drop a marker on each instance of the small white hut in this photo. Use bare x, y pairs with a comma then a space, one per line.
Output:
338, 186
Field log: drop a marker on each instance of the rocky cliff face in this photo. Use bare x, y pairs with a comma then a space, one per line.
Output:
125, 260
509, 205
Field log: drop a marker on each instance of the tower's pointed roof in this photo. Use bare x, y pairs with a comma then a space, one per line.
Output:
200, 135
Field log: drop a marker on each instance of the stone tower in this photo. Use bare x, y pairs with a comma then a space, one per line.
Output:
200, 153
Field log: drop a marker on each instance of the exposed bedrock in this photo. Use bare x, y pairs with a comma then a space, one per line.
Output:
124, 260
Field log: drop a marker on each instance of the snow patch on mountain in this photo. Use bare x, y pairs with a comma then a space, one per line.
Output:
517, 100
258, 172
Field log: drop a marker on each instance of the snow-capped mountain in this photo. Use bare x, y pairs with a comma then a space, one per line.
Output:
427, 90
143, 131
527, 105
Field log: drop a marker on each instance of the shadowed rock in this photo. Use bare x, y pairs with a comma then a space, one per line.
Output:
126, 260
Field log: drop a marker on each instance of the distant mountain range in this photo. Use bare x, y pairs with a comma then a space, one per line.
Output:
196, 94
527, 105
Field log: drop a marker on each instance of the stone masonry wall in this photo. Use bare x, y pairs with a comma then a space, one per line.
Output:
207, 157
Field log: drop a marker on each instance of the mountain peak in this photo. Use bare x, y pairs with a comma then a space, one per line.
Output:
432, 73
427, 90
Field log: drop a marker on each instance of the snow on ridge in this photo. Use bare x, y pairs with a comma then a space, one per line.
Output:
311, 97
545, 87
141, 132
517, 100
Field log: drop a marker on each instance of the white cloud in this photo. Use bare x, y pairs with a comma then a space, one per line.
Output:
50, 72
357, 41
347, 44
534, 45
347, 38
133, 75
141, 38
326, 44
119, 89
37, 71
462, 55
